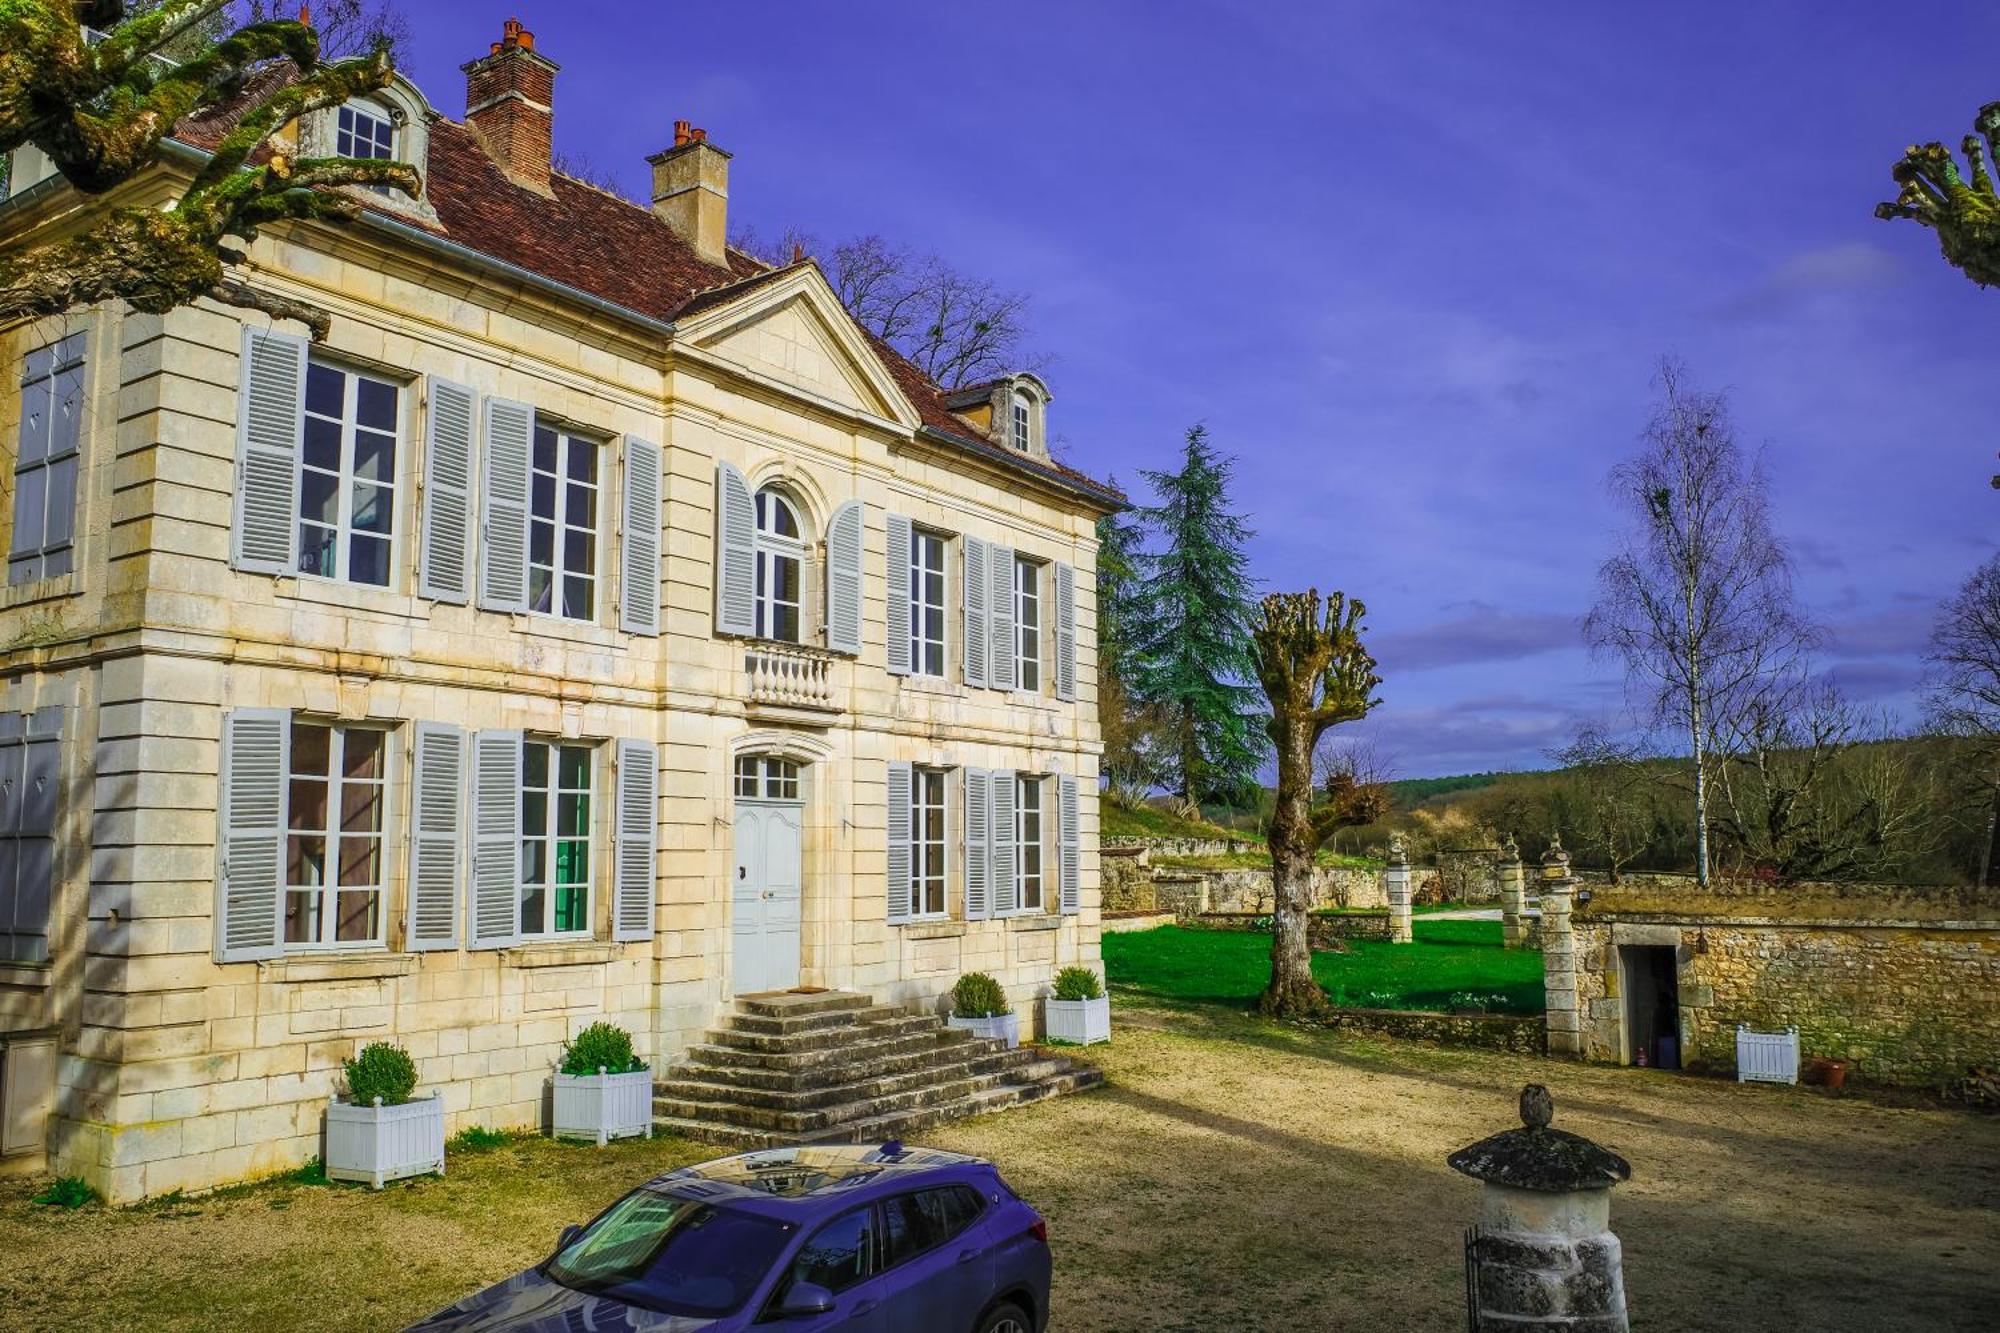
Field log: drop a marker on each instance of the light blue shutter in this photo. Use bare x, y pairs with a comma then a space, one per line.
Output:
1006, 884
1000, 675
735, 553
495, 915
445, 554
978, 620
900, 866
843, 579
978, 795
270, 429
250, 897
1065, 633
637, 839
899, 586
503, 513
639, 572
1072, 846
437, 836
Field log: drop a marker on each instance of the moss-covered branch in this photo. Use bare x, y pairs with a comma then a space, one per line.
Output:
1962, 209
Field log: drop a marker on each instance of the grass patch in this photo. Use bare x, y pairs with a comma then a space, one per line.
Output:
477, 1138
1145, 821
68, 1192
1451, 961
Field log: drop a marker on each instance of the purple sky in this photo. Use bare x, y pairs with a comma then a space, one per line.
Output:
1412, 271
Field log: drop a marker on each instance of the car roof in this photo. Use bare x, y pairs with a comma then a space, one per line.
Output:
809, 1181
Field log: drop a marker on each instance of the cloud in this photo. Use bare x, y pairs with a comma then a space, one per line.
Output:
1902, 632
1484, 636
1810, 275
1867, 681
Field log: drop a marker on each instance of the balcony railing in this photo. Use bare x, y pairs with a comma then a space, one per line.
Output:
788, 676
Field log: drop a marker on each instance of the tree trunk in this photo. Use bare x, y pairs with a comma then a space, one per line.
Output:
1992, 849
1700, 794
1292, 993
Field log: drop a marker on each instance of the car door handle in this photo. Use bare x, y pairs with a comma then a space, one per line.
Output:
967, 1256
863, 1308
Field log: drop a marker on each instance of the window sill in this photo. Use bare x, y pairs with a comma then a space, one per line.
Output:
1027, 921
315, 590
569, 631
944, 686
41, 590
26, 974
931, 929
561, 953
338, 967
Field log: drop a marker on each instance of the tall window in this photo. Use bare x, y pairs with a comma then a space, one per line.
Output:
780, 567
1028, 841
333, 848
562, 526
555, 838
45, 466
364, 131
767, 777
1023, 416
347, 475
926, 886
926, 603
1028, 624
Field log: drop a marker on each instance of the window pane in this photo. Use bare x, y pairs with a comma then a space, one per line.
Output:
61, 503
319, 548
372, 508
535, 764
579, 551
545, 451
534, 813
580, 509
535, 862
356, 921
542, 496
308, 804
360, 861
836, 1257
30, 507
572, 814
301, 924
575, 767
542, 542
579, 598
375, 404
322, 444
326, 391
305, 860
360, 807
572, 861
582, 461
312, 748
319, 497
368, 560
572, 908
534, 907
374, 456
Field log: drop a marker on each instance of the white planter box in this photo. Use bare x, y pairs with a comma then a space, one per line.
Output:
1080, 1021
1767, 1057
379, 1143
1001, 1027
603, 1106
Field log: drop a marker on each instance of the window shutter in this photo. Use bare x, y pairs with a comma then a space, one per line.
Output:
250, 901
978, 792
899, 842
495, 921
843, 579
1001, 636
437, 836
1006, 886
445, 555
977, 589
639, 574
503, 512
638, 824
270, 429
735, 553
1072, 846
900, 586
1065, 633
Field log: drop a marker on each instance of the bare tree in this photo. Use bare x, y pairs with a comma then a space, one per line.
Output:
345, 27
1698, 603
581, 167
1615, 821
1965, 684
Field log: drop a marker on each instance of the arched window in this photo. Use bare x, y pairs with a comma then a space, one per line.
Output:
1024, 415
781, 552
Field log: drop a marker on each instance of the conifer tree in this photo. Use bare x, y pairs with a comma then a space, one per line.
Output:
1121, 720
1190, 648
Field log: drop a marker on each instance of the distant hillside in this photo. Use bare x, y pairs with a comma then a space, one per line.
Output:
1411, 792
1150, 821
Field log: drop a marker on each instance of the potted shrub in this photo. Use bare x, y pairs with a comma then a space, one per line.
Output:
379, 1133
603, 1091
979, 1006
1078, 1010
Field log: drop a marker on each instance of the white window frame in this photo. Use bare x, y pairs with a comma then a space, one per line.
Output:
1027, 636
333, 836
923, 544
553, 791
557, 565
66, 357
930, 858
347, 131
1024, 419
344, 477
1029, 836
766, 777
774, 547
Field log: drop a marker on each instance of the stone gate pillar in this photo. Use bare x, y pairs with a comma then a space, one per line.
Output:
1563, 1022
1513, 895
1396, 887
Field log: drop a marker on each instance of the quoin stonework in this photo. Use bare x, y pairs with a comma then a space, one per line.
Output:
595, 625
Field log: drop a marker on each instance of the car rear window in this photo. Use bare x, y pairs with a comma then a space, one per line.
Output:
673, 1255
926, 1219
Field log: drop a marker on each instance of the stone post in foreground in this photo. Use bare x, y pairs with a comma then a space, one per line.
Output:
1396, 886
1543, 1257
1513, 895
1563, 1021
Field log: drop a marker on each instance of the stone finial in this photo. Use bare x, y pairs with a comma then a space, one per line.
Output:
1555, 861
1510, 851
1537, 1107
1397, 855
1536, 1157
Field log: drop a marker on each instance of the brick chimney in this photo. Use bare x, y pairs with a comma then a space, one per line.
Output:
691, 192
510, 101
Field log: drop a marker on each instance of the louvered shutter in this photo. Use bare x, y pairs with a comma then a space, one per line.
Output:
639, 570
250, 896
899, 842
1006, 885
901, 587
638, 824
1065, 632
270, 429
494, 919
735, 553
445, 558
843, 579
1000, 675
1071, 845
503, 510
978, 794
977, 618
437, 836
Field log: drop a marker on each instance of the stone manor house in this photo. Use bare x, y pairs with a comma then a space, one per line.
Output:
597, 624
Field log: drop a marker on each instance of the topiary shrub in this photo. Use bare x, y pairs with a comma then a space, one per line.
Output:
1078, 983
603, 1046
979, 996
381, 1070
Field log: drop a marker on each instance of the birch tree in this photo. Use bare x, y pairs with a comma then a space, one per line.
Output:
1965, 686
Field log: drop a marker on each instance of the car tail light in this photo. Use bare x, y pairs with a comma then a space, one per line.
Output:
1039, 1229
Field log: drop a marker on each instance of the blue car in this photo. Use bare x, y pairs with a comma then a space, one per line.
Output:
862, 1239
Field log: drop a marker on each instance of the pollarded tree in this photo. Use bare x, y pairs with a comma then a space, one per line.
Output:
101, 110
1964, 213
1317, 674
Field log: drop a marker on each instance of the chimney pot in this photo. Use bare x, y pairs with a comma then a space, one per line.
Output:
681, 132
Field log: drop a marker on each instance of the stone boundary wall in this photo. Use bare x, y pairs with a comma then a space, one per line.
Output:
1323, 929
1488, 1032
1185, 846
1115, 923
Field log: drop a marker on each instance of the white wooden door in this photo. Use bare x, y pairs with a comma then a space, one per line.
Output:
765, 896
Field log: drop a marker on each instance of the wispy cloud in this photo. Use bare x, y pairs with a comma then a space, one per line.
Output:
1485, 636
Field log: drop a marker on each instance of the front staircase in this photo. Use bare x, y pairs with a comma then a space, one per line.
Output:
833, 1067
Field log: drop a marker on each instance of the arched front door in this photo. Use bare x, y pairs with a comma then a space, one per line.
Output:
765, 894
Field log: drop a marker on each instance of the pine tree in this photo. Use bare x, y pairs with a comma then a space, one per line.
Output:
1121, 721
1190, 648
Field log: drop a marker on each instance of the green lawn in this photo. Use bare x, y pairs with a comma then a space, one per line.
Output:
1230, 967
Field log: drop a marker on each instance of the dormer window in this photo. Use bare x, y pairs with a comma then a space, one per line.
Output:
390, 124
364, 131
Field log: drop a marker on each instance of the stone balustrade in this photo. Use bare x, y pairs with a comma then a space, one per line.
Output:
788, 676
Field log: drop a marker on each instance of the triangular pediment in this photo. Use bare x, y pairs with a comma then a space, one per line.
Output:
791, 331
